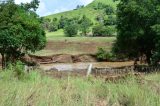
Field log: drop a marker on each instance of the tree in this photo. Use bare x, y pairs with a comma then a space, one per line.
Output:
79, 7
110, 20
46, 23
20, 31
156, 53
103, 31
34, 4
100, 18
71, 28
85, 24
62, 22
135, 21
53, 26
109, 10
99, 6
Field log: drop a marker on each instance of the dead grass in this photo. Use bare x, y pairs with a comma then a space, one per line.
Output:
77, 45
39, 90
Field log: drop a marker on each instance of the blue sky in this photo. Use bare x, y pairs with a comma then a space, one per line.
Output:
48, 7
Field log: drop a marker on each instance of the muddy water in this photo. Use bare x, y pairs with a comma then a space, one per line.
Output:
83, 66
65, 67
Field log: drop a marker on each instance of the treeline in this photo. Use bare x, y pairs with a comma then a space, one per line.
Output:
138, 30
84, 26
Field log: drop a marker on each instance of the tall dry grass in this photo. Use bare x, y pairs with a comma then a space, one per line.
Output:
37, 90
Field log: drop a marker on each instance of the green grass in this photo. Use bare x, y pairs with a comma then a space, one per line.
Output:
82, 39
58, 33
39, 90
88, 11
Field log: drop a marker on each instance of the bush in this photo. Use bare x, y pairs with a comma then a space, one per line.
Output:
52, 27
100, 6
62, 22
98, 30
109, 31
110, 20
109, 10
71, 30
103, 31
18, 68
85, 24
103, 55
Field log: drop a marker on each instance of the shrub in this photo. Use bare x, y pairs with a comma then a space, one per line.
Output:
71, 30
16, 70
100, 6
85, 24
19, 70
110, 20
52, 27
109, 10
103, 31
62, 22
103, 55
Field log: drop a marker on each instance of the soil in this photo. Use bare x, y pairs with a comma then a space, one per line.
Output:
61, 47
62, 58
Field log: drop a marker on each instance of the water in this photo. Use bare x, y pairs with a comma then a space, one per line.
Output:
83, 66
66, 67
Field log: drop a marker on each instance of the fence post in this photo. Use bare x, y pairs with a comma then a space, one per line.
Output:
89, 70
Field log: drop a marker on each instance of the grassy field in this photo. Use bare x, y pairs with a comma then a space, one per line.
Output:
37, 90
58, 33
82, 39
75, 45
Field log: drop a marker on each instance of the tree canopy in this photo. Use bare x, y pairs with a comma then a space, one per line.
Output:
138, 28
20, 30
71, 28
85, 24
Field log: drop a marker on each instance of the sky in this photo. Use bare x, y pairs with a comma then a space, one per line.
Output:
48, 7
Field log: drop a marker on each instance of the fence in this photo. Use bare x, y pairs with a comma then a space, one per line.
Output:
147, 69
108, 71
123, 70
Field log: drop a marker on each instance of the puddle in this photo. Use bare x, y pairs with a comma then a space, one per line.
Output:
66, 67
83, 66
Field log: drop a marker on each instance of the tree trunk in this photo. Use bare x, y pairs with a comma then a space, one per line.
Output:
148, 57
3, 61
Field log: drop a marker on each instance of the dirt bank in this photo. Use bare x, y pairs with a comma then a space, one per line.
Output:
63, 58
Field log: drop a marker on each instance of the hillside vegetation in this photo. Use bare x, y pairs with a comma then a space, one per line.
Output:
89, 10
98, 12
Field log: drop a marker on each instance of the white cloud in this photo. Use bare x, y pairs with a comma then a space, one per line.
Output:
85, 2
46, 9
42, 10
62, 9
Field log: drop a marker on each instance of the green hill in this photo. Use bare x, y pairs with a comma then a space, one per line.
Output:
90, 11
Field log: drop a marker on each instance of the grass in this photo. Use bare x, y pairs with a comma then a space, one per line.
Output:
82, 39
89, 11
39, 90
76, 45
58, 33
